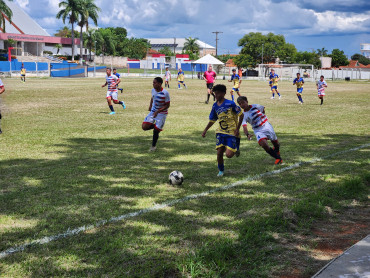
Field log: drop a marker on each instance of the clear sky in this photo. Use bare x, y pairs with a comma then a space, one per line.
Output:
308, 24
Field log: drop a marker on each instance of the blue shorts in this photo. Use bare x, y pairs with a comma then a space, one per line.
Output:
274, 88
299, 90
229, 141
236, 89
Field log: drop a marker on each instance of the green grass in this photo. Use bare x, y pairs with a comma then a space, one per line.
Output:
66, 163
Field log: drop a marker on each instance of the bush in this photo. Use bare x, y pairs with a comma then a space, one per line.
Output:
48, 52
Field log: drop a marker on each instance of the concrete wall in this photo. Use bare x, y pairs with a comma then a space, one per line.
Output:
111, 60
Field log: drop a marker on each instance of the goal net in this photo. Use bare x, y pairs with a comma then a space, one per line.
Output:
286, 71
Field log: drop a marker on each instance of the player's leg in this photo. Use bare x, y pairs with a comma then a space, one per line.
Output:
184, 85
109, 101
220, 161
0, 124
322, 100
232, 146
116, 101
178, 84
160, 120
276, 146
278, 93
263, 143
148, 122
273, 92
232, 94
208, 94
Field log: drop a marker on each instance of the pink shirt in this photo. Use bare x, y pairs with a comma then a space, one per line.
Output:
210, 76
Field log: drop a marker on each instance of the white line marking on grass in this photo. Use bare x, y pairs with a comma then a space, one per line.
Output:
171, 203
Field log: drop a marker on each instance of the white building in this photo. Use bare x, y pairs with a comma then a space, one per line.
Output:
177, 45
365, 49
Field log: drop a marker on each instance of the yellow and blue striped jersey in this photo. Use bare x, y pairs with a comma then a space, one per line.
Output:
227, 115
299, 82
236, 79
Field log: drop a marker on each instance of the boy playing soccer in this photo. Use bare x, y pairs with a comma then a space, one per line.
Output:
274, 78
159, 104
321, 85
263, 130
112, 81
119, 77
167, 78
180, 79
23, 73
2, 90
299, 82
226, 112
236, 78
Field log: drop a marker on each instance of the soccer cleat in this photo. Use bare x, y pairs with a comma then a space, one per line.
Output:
278, 161
300, 102
220, 174
112, 113
237, 153
123, 105
279, 97
206, 102
272, 97
152, 149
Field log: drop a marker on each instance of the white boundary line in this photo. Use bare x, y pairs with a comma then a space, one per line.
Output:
170, 203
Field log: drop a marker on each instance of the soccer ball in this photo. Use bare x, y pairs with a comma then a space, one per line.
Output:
176, 178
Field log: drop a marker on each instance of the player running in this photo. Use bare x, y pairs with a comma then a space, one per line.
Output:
209, 76
274, 78
159, 104
119, 77
321, 85
180, 79
23, 73
255, 115
112, 81
236, 79
299, 82
226, 112
167, 78
2, 90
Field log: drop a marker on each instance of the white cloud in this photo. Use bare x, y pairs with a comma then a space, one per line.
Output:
340, 22
23, 4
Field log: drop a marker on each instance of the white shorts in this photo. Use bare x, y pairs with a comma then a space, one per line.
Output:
321, 92
167, 79
265, 132
158, 121
112, 94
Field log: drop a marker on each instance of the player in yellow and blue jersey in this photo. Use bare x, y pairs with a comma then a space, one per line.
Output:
180, 79
299, 82
274, 78
227, 135
236, 79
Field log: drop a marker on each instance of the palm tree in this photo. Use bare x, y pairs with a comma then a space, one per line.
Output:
71, 11
191, 45
4, 11
90, 39
58, 46
88, 9
322, 52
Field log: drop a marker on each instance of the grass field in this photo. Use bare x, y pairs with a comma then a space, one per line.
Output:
66, 163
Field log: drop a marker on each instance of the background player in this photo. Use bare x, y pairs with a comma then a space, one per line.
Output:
209, 76
119, 77
274, 78
180, 79
23, 73
2, 90
159, 104
321, 85
227, 113
167, 78
112, 81
299, 82
236, 78
255, 115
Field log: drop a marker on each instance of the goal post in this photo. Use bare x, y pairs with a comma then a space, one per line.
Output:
287, 71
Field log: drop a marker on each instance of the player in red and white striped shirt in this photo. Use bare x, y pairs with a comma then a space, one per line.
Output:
263, 130
112, 81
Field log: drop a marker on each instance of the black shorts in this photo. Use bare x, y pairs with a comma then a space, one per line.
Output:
209, 86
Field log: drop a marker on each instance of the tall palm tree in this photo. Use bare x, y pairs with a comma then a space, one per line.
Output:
322, 52
88, 10
191, 45
90, 38
4, 11
70, 9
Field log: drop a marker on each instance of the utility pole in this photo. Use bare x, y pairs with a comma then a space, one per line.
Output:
217, 32
174, 46
262, 54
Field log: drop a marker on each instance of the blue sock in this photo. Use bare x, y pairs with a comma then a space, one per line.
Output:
232, 97
273, 94
111, 108
120, 102
278, 94
221, 167
179, 85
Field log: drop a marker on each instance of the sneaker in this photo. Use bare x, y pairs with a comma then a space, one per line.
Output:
237, 153
123, 105
300, 102
279, 97
278, 161
206, 102
152, 149
112, 113
220, 174
272, 97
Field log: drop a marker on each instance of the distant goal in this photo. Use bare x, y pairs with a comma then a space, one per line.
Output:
287, 71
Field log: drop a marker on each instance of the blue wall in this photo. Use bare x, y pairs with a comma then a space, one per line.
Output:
134, 65
16, 66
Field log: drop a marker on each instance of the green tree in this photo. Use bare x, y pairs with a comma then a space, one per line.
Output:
191, 47
106, 42
120, 35
87, 10
338, 58
322, 52
65, 32
361, 59
244, 61
136, 48
166, 51
305, 57
70, 9
90, 37
4, 11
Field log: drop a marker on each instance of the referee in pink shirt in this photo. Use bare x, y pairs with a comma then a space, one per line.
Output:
209, 76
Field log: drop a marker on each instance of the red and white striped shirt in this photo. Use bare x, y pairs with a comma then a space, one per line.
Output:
159, 100
255, 116
112, 82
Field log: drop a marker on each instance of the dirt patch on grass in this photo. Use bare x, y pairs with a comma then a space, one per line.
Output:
307, 253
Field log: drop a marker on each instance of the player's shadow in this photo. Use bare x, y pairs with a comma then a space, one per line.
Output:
96, 179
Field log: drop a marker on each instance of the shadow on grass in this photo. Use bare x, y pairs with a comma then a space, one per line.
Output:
212, 236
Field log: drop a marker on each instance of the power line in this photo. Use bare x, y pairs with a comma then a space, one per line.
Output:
217, 32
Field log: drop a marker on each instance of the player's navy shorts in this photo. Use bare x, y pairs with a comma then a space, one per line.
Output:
209, 86
274, 88
299, 90
229, 141
236, 89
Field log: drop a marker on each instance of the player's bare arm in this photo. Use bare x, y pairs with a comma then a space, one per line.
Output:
166, 106
151, 104
106, 83
206, 129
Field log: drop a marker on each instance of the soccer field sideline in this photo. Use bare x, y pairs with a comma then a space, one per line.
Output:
171, 203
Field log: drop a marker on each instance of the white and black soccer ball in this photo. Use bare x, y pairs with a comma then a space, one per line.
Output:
176, 178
